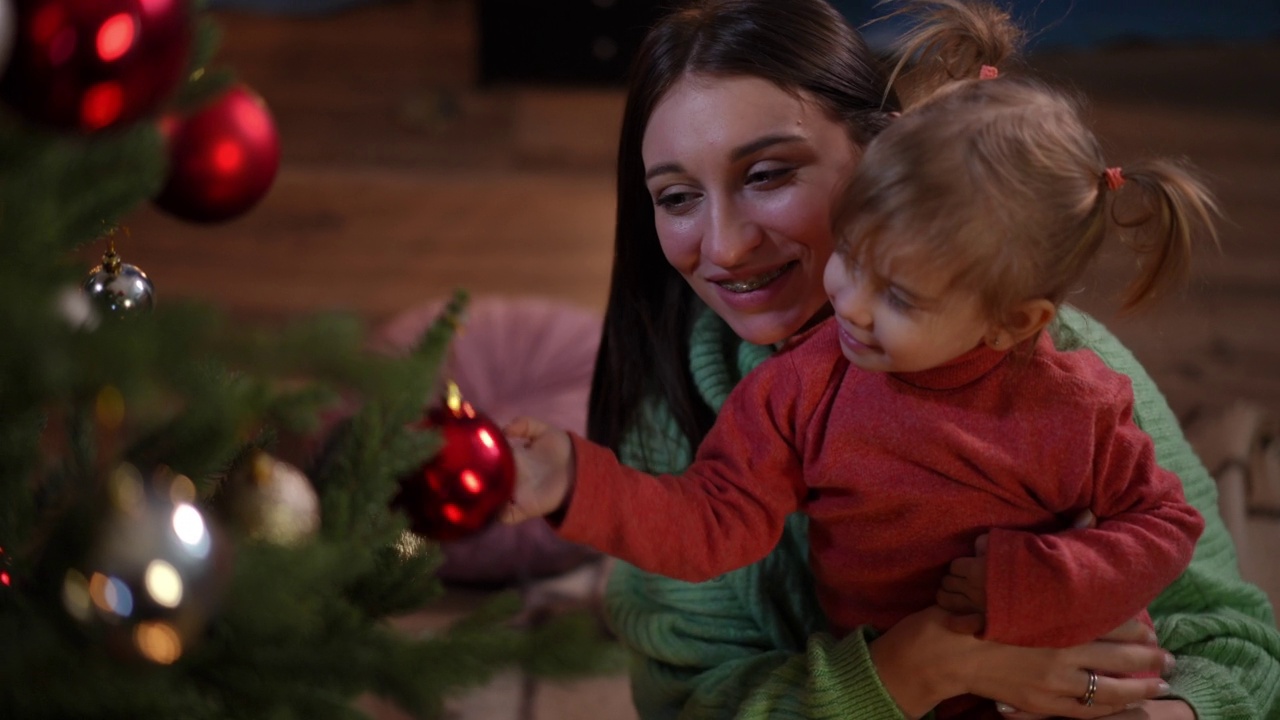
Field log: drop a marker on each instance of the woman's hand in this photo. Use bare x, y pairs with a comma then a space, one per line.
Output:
544, 469
921, 661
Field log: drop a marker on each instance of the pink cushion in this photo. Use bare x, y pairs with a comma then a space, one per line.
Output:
513, 356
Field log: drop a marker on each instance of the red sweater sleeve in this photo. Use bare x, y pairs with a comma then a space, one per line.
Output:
1073, 587
727, 510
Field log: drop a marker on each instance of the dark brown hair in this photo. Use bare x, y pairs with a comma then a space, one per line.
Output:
802, 46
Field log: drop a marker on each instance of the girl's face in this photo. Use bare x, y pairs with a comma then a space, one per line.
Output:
743, 176
902, 318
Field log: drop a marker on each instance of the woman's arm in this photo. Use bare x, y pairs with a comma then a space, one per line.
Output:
749, 645
1221, 629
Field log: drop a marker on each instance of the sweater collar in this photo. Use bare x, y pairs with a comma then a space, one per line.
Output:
958, 372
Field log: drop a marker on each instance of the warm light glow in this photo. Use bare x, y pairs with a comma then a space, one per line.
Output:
4, 578
182, 490
188, 525
163, 584
108, 407
101, 105
115, 36
158, 642
75, 594
125, 489
452, 513
111, 595
453, 398
486, 439
228, 157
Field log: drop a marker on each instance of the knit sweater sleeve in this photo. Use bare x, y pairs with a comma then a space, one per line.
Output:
1221, 629
748, 644
1043, 589
724, 511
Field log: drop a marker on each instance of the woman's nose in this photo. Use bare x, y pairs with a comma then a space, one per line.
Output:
731, 237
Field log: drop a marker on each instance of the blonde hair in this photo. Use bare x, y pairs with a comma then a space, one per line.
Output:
999, 183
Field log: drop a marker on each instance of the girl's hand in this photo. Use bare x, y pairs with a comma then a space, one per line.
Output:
922, 662
544, 469
964, 589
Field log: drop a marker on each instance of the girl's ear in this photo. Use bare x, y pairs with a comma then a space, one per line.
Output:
1027, 319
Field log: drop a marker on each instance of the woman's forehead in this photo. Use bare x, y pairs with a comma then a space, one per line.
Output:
727, 111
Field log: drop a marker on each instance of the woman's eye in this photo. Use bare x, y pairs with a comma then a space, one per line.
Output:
674, 201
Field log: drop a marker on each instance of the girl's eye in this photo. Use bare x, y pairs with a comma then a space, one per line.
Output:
899, 301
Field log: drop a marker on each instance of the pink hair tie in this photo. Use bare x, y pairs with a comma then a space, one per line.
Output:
1114, 177
989, 72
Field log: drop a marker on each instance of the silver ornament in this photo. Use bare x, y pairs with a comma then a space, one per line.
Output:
118, 288
155, 573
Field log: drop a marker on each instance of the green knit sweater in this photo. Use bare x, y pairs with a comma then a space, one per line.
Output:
748, 644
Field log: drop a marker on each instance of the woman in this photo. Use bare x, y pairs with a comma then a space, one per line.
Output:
743, 117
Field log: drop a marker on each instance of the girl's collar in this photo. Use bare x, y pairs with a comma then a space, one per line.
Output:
957, 372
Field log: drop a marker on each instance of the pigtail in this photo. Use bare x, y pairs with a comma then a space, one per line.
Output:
949, 40
1159, 210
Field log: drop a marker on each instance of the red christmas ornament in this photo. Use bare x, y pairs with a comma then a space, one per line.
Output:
467, 484
93, 64
222, 159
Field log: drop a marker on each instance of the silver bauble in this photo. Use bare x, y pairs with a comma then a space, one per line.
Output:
118, 288
155, 573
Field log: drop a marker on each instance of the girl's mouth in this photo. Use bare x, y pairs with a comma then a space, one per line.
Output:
751, 284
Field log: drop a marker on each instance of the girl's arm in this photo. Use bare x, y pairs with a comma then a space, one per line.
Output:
1221, 629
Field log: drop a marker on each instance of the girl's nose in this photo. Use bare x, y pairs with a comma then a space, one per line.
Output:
854, 303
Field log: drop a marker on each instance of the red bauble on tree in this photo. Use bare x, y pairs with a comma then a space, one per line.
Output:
469, 481
93, 64
222, 159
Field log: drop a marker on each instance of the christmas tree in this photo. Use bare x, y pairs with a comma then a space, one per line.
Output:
157, 559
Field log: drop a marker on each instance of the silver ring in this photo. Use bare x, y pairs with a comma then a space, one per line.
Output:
1087, 699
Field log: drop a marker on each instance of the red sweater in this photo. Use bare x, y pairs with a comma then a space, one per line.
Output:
900, 473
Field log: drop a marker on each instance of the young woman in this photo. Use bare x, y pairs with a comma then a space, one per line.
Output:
743, 118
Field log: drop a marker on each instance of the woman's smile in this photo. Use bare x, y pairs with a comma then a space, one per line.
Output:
755, 282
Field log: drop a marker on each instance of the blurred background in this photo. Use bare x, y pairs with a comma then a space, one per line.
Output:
434, 144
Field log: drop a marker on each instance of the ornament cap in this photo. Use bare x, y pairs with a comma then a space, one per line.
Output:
110, 260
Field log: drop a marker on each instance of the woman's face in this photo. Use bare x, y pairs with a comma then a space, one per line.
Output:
743, 175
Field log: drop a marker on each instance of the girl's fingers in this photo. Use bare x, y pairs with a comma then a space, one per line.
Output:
1115, 659
1133, 631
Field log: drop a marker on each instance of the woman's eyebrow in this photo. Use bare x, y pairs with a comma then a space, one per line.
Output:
761, 143
738, 153
662, 169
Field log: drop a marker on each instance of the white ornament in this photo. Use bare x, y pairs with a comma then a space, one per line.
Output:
74, 305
